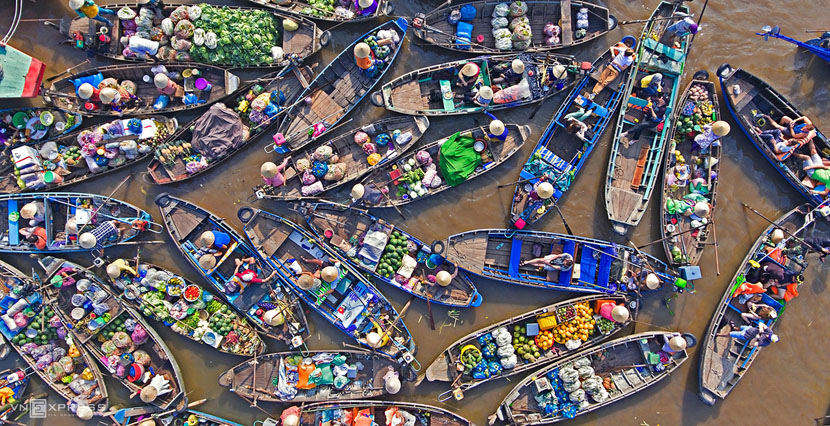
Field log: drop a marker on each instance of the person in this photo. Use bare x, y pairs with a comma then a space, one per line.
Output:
468, 74
757, 335
272, 173
366, 194
248, 275
775, 138
365, 7
679, 29
819, 244
111, 230
508, 73
320, 263
484, 96
577, 128
771, 270
710, 136
651, 85
497, 128
673, 343
655, 116
800, 128
88, 9
624, 56
213, 242
816, 168
758, 311
34, 211
165, 85
35, 235
552, 262
584, 112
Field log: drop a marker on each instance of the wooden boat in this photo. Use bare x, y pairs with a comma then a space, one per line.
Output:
306, 10
402, 185
450, 366
339, 87
44, 324
351, 302
18, 394
430, 91
632, 364
725, 360
344, 222
179, 304
299, 44
599, 266
633, 170
135, 415
25, 126
72, 167
349, 154
224, 129
63, 212
186, 222
63, 92
687, 245
434, 28
266, 378
819, 46
748, 104
561, 155
27, 78
381, 413
103, 330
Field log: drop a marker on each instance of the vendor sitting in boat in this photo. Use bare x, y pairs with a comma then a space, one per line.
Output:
468, 75
799, 128
756, 335
248, 275
508, 73
816, 168
313, 284
213, 242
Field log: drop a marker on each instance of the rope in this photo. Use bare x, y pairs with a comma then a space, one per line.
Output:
18, 13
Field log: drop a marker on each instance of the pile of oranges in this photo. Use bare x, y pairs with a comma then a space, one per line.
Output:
544, 340
580, 328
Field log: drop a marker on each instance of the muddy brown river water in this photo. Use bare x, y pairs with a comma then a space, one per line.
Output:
788, 383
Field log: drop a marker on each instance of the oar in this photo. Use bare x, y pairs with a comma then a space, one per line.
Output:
715, 237
640, 21
109, 197
816, 31
564, 222
668, 237
66, 71
746, 206
699, 18
397, 319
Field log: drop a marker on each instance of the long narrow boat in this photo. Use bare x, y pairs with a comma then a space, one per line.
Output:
137, 80
339, 87
698, 107
274, 377
243, 37
43, 328
66, 218
138, 415
404, 180
748, 99
349, 301
24, 126
633, 169
819, 46
75, 160
725, 360
598, 266
388, 137
457, 364
596, 377
227, 127
435, 28
351, 13
113, 332
431, 91
185, 307
560, 155
18, 389
378, 412
186, 222
389, 254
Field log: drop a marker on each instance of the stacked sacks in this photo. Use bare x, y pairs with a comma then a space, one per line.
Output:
552, 32
463, 18
582, 22
520, 26
591, 383
490, 364
431, 178
505, 351
500, 23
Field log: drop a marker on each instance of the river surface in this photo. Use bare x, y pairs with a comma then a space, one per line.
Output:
787, 384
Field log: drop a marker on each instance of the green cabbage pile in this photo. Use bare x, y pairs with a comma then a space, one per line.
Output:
244, 37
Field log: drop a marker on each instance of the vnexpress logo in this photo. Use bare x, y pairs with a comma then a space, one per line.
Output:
38, 408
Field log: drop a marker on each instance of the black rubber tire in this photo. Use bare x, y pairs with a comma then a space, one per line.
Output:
691, 340
701, 75
389, 8
612, 22
325, 38
162, 200
377, 98
724, 70
438, 247
245, 214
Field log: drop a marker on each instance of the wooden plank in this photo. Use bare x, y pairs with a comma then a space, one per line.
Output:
641, 165
185, 221
566, 23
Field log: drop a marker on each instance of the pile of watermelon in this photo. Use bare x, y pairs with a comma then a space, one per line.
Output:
393, 254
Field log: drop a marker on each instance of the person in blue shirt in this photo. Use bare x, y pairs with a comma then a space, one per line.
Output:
497, 128
214, 242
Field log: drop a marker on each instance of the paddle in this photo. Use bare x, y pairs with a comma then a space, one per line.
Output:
67, 71
699, 18
640, 21
746, 206
667, 237
109, 197
715, 237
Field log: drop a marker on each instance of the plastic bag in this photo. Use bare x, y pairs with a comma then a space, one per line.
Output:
361, 138
517, 8
180, 43
313, 189
522, 33
336, 172
211, 40
516, 22
503, 39
199, 37
499, 22
501, 10
308, 178
194, 12
423, 158
121, 340
167, 26
126, 13
512, 93
184, 29
67, 364
179, 14
322, 153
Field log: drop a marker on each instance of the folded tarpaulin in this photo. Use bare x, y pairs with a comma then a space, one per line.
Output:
217, 132
458, 159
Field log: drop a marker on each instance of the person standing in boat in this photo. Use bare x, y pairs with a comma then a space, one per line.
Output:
498, 130
679, 29
88, 9
624, 56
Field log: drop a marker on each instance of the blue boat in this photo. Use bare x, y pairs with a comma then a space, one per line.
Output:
339, 87
560, 155
598, 266
749, 100
63, 219
817, 46
186, 222
346, 299
379, 243
137, 415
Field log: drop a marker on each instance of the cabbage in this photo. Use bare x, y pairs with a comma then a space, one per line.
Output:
239, 37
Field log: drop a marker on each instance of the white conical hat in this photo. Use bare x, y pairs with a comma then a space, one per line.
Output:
677, 343
652, 281
84, 412
273, 318
559, 71
374, 340
149, 394
620, 313
362, 50
76, 4
777, 236
496, 127
329, 274
85, 91
268, 170
701, 209
357, 192
721, 128
207, 261
87, 240
291, 420
206, 239
30, 210
108, 95
544, 190
443, 278
392, 384
305, 281
114, 270
518, 66
364, 3
486, 92
161, 80
469, 69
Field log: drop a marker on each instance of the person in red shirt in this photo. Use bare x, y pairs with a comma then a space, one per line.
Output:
248, 275
37, 236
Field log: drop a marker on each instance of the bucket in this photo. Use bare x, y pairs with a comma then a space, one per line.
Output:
203, 85
19, 120
77, 313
